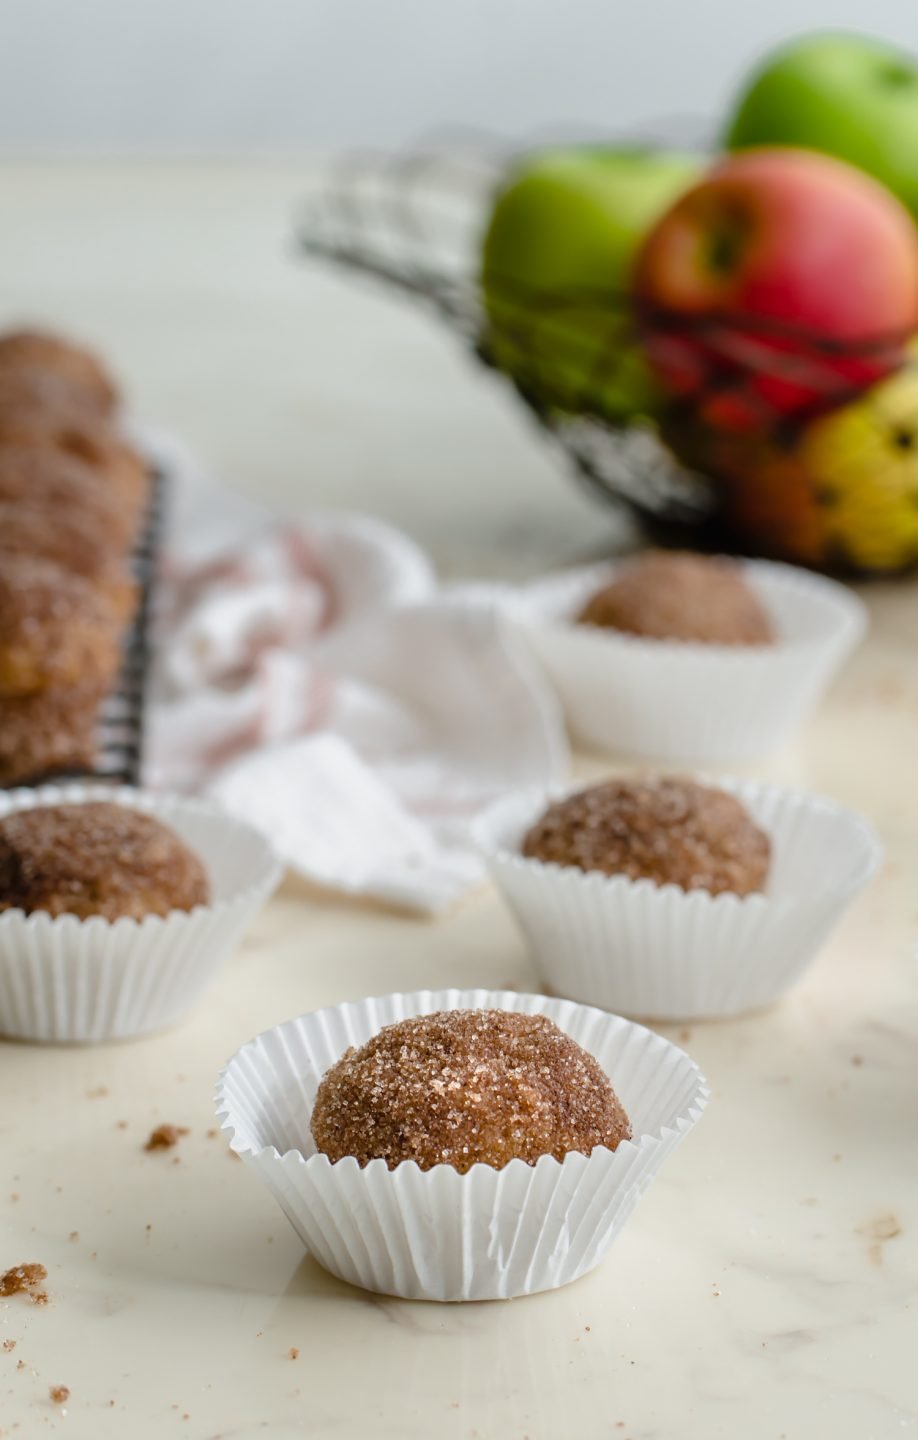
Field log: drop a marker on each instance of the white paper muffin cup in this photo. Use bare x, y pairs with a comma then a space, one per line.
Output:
663, 953
438, 1235
66, 979
675, 700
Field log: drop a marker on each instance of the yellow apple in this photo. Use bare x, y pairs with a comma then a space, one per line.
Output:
840, 493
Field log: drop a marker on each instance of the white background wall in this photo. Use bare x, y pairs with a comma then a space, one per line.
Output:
234, 75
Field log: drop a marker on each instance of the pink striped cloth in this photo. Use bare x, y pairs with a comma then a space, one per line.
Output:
313, 677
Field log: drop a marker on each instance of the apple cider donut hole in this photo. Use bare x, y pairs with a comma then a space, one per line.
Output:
70, 540
62, 484
463, 1088
45, 734
56, 629
96, 859
37, 411
75, 367
669, 831
681, 596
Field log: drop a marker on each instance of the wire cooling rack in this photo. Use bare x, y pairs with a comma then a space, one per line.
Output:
121, 718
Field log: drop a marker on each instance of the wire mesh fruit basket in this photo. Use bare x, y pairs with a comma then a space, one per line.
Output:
414, 222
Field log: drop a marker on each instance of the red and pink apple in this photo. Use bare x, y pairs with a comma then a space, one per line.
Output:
782, 284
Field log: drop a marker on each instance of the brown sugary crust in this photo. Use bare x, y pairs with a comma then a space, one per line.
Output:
679, 596
42, 735
96, 859
59, 484
69, 539
56, 630
82, 371
670, 831
462, 1087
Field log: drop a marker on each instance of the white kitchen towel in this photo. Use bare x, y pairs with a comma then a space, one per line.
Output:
313, 678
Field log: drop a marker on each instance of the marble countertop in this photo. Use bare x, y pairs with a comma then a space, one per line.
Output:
766, 1287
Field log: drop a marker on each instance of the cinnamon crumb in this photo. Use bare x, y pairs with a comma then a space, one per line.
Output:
99, 1093
14, 1198
121, 1124
25, 1280
164, 1137
74, 1235
20, 1365
294, 1353
212, 1134
9, 1345
59, 1393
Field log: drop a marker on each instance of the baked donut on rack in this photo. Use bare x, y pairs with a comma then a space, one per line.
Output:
79, 369
56, 629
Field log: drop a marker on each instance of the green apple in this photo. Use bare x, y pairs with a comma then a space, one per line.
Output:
556, 273
847, 95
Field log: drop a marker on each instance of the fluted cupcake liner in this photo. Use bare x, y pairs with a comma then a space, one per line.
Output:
436, 1234
663, 953
66, 979
676, 700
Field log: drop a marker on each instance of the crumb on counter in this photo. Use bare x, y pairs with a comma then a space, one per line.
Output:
165, 1137
60, 1394
27, 1280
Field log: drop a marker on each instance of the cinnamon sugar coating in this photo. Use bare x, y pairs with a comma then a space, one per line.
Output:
96, 859
466, 1087
70, 540
62, 484
45, 734
670, 831
79, 369
55, 629
680, 596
